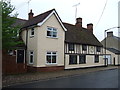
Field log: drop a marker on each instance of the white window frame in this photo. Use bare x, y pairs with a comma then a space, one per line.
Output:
51, 54
32, 30
30, 55
52, 31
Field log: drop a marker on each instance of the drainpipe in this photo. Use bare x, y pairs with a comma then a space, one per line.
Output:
26, 46
64, 54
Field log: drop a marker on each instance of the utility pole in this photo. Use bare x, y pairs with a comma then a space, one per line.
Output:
76, 9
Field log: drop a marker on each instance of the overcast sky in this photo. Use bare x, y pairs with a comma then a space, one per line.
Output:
89, 10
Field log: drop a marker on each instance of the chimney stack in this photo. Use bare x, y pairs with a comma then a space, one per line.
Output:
78, 22
30, 15
90, 27
110, 34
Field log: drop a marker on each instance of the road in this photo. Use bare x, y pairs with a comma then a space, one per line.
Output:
99, 79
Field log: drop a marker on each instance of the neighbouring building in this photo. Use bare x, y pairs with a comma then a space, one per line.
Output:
112, 49
82, 49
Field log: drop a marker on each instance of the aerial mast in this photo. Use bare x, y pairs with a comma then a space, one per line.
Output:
76, 9
28, 5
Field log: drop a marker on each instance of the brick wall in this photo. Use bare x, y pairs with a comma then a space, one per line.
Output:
44, 69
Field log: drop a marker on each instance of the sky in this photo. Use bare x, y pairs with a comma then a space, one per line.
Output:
89, 10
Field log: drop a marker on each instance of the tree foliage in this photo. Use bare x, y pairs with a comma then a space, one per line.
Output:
9, 31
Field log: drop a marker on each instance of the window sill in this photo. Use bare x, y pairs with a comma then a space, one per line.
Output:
31, 36
52, 37
96, 62
30, 63
73, 64
51, 64
82, 63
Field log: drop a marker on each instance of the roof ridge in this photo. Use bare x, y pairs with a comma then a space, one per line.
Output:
44, 12
22, 19
36, 19
73, 25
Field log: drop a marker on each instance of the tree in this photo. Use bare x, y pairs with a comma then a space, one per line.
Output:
9, 31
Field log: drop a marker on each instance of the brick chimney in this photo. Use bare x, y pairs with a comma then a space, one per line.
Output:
90, 27
110, 34
78, 22
30, 15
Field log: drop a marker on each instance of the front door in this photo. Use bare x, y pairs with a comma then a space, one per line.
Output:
20, 56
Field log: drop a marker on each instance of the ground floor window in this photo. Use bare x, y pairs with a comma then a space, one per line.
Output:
82, 59
73, 59
31, 57
96, 58
51, 57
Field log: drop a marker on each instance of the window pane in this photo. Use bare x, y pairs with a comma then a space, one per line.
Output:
48, 59
84, 47
98, 49
96, 58
32, 31
31, 58
54, 53
53, 59
71, 47
54, 34
31, 52
49, 33
82, 59
54, 29
48, 52
49, 28
73, 59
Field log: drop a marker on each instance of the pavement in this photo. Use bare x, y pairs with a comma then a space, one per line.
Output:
17, 79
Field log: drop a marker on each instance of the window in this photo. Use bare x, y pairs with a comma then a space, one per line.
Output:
98, 49
31, 57
51, 32
82, 59
51, 57
73, 59
96, 58
71, 47
84, 47
32, 32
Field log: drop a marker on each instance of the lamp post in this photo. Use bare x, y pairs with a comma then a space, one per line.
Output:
105, 40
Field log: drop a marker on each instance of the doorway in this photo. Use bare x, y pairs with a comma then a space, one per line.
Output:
20, 56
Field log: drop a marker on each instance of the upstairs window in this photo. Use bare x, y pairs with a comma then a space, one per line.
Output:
84, 47
32, 32
71, 47
98, 49
51, 32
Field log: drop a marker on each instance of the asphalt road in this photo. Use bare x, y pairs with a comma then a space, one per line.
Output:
99, 79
